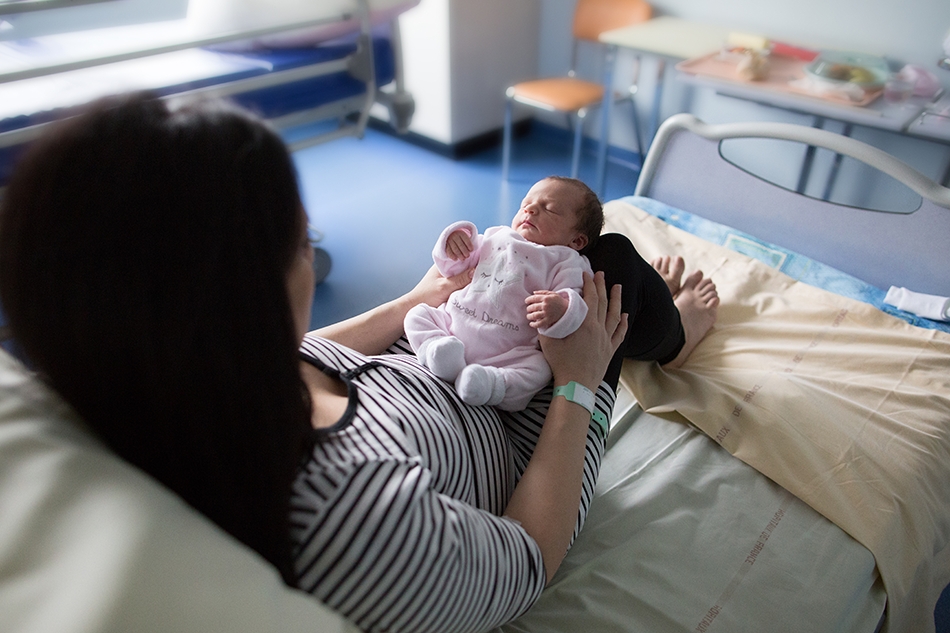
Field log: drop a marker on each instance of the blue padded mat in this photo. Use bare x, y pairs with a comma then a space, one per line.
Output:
308, 93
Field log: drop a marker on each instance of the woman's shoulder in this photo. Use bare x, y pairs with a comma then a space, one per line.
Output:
379, 424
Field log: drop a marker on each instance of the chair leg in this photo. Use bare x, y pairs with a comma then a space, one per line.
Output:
636, 129
506, 142
578, 141
634, 91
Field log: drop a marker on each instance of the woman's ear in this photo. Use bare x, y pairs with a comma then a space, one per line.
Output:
579, 242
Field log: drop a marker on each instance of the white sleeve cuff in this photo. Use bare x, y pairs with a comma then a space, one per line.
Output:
572, 319
928, 306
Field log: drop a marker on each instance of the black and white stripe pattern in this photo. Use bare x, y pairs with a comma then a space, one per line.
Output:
397, 515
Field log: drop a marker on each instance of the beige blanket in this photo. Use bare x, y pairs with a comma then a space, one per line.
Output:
846, 407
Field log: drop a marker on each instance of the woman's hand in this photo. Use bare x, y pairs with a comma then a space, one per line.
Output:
584, 355
374, 331
434, 289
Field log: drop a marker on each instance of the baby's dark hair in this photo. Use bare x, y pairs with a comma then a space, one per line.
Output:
590, 214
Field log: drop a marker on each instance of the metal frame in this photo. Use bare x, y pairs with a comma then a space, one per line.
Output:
685, 169
360, 64
813, 137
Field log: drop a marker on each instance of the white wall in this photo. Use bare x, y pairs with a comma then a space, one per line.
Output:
459, 57
425, 45
492, 48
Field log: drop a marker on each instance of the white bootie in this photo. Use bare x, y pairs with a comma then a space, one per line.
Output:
444, 356
478, 385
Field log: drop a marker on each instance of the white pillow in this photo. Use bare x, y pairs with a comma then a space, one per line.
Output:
90, 543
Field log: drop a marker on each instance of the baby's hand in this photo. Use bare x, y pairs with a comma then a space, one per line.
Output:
458, 245
545, 308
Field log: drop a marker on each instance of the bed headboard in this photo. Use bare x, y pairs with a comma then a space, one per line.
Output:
684, 169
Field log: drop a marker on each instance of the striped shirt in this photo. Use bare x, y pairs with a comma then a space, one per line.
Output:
397, 515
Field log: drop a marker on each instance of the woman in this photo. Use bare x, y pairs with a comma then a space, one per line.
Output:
155, 269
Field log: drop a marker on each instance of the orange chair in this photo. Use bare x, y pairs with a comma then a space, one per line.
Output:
571, 95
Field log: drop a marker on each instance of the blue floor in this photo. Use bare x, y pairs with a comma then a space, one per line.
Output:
381, 202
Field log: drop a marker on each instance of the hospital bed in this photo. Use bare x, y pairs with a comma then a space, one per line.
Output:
293, 62
794, 475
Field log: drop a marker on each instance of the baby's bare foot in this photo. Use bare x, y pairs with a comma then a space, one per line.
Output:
698, 303
671, 270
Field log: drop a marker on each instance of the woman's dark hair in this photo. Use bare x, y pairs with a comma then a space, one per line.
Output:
590, 215
144, 254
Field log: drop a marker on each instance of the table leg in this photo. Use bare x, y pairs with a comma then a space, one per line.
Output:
634, 91
809, 159
657, 99
835, 166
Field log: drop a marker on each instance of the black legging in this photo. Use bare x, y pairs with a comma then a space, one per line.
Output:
654, 331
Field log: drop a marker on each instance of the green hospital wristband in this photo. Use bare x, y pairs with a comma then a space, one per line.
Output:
579, 394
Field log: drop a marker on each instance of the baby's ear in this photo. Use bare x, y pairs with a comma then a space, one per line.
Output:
579, 242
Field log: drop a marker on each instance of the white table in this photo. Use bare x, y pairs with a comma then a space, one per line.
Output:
674, 39
933, 124
913, 117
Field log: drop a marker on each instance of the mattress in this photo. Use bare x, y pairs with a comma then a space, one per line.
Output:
795, 265
683, 536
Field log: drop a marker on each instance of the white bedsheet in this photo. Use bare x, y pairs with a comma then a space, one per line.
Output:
845, 406
682, 536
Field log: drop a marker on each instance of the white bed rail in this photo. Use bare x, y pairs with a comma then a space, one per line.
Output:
837, 143
686, 170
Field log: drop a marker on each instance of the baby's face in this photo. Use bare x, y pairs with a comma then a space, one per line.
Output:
548, 215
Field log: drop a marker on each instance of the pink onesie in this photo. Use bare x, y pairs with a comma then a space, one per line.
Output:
489, 315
